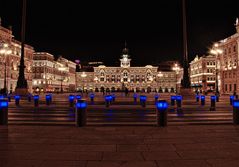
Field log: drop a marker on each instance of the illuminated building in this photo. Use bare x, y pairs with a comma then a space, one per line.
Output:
144, 79
53, 76
12, 60
202, 73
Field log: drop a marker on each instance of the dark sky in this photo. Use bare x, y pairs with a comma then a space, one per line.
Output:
96, 30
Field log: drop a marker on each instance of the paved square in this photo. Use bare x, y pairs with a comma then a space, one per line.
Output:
121, 146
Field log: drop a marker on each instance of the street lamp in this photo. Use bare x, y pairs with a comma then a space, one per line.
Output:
176, 68
216, 51
5, 51
62, 69
160, 75
83, 75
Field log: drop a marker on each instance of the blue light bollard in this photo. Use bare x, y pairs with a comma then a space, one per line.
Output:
203, 100
231, 99
17, 99
143, 100
48, 99
113, 97
78, 97
80, 117
92, 96
173, 98
162, 113
197, 98
3, 111
236, 112
135, 96
213, 103
156, 97
71, 99
179, 103
36, 100
108, 99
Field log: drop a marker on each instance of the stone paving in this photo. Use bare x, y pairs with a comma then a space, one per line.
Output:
119, 146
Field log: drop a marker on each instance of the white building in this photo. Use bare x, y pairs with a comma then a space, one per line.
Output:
146, 78
227, 59
202, 73
53, 76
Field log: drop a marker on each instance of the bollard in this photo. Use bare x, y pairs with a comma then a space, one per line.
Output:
92, 96
143, 100
162, 113
78, 97
36, 100
135, 96
80, 117
71, 100
3, 111
202, 100
108, 99
213, 103
156, 97
173, 98
231, 99
197, 98
29, 98
113, 97
17, 99
179, 103
236, 112
48, 99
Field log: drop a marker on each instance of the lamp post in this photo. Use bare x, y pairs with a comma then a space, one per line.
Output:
95, 80
62, 69
83, 75
160, 75
5, 51
176, 68
216, 51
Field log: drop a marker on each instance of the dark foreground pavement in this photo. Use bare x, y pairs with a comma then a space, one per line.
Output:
41, 146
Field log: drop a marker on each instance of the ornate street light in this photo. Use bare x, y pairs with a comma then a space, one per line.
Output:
176, 68
83, 75
216, 51
62, 69
5, 51
160, 75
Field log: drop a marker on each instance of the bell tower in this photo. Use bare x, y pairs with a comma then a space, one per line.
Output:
125, 61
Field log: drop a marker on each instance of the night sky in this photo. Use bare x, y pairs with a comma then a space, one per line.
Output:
96, 30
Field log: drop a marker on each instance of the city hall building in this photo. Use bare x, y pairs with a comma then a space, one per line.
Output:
145, 79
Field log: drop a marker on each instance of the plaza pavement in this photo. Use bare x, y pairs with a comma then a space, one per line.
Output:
119, 146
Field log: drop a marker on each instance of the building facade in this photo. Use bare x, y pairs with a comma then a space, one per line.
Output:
10, 54
144, 79
53, 76
203, 74
228, 63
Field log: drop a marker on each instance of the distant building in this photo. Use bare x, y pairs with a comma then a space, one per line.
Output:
12, 60
202, 73
53, 76
146, 78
